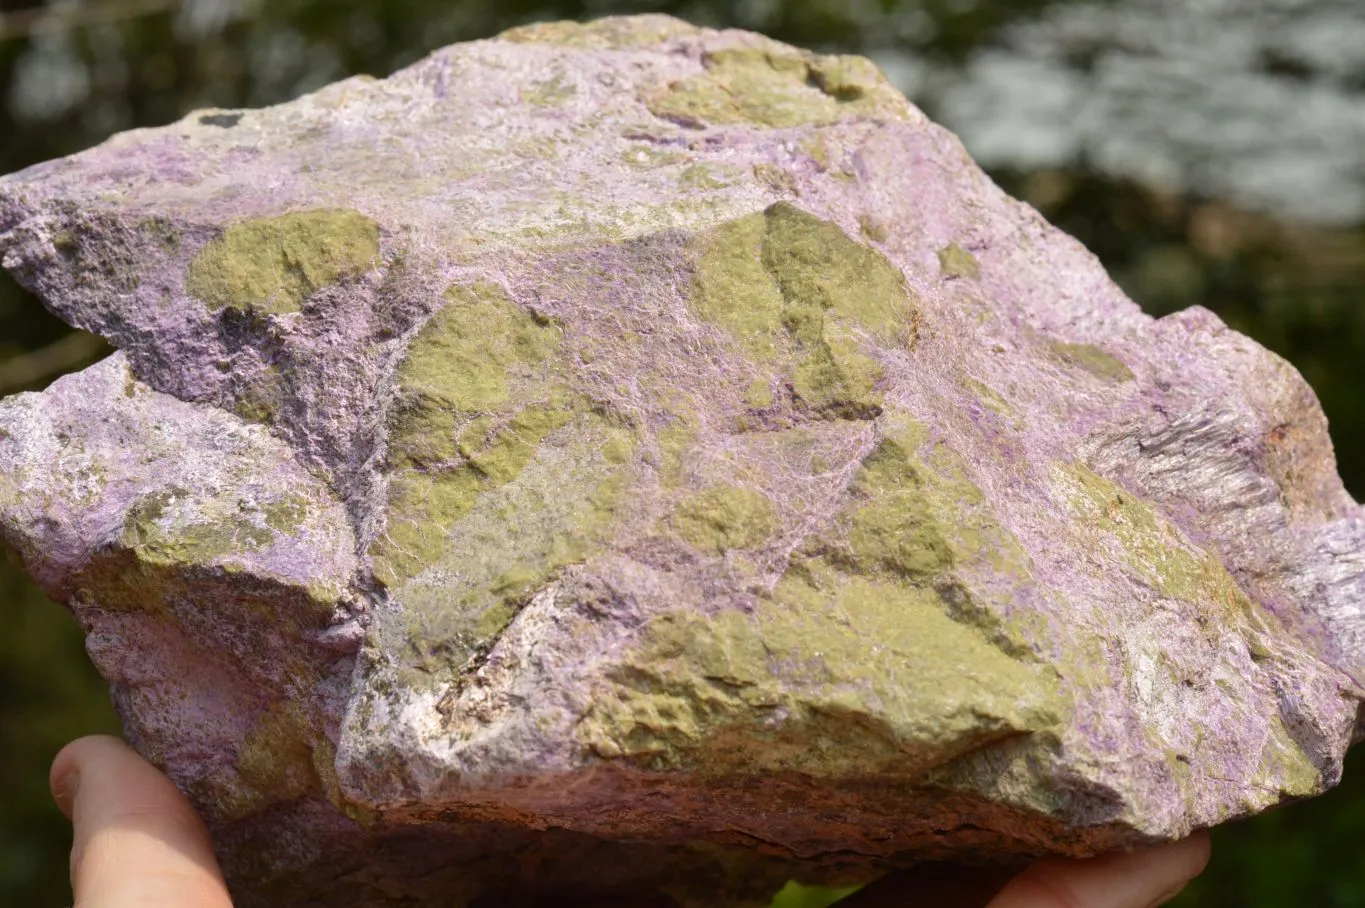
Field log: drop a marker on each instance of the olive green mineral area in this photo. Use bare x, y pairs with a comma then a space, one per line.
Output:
271, 265
871, 676
509, 540
864, 645
503, 475
1092, 359
958, 262
795, 290
613, 33
458, 430
726, 517
775, 87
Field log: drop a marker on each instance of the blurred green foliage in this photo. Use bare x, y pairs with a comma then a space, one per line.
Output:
797, 896
49, 694
1296, 289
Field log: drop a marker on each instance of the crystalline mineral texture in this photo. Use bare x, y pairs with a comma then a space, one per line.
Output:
631, 459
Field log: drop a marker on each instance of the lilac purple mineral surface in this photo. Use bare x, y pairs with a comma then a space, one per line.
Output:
631, 459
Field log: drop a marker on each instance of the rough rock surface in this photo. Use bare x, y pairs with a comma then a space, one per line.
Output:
630, 458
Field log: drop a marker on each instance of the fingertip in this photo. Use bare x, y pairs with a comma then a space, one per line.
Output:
1200, 851
137, 840
63, 778
1189, 858
1142, 878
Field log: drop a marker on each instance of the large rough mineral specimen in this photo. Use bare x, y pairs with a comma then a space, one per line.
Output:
632, 459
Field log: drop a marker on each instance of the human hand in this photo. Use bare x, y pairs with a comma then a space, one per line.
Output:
1140, 879
138, 843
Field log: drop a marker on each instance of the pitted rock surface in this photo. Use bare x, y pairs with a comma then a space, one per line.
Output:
632, 459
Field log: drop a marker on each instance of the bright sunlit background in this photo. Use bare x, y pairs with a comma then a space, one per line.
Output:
1211, 152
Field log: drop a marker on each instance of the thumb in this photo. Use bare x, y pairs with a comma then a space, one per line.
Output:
1138, 879
138, 843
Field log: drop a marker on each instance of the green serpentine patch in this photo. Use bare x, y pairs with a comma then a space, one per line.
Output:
1150, 546
281, 759
1157, 556
558, 510
175, 545
726, 517
271, 265
1092, 359
800, 294
502, 475
778, 88
613, 32
457, 432
856, 661
260, 399
275, 763
158, 535
954, 261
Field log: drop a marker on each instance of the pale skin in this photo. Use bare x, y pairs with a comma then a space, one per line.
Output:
139, 844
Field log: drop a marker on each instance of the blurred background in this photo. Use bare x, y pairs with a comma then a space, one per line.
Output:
1210, 152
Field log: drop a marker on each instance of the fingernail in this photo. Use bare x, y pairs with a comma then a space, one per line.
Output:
64, 792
